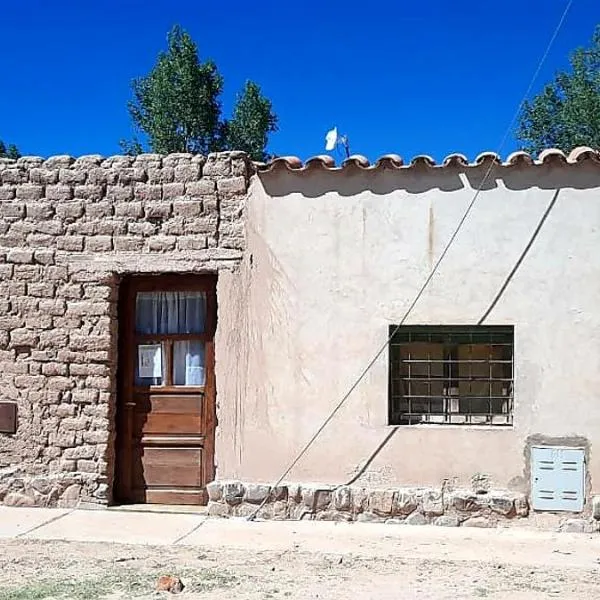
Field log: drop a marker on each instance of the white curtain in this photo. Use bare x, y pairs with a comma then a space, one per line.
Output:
188, 363
171, 313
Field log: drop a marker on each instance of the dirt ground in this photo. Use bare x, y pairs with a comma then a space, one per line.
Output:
38, 570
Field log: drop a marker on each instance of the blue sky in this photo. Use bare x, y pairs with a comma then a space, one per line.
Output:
407, 77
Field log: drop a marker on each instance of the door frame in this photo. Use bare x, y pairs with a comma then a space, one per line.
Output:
130, 285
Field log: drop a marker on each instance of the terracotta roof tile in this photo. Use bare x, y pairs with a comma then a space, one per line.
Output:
487, 157
552, 155
422, 160
519, 158
455, 160
393, 161
356, 160
389, 160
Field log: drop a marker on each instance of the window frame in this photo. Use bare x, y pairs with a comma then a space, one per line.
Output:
171, 283
450, 339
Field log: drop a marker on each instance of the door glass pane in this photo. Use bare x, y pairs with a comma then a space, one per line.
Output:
150, 364
188, 363
170, 312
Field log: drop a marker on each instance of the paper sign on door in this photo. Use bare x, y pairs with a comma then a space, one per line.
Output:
150, 360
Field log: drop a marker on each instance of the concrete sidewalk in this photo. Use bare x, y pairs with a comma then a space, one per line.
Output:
512, 545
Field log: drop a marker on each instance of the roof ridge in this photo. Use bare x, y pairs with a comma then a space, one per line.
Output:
394, 161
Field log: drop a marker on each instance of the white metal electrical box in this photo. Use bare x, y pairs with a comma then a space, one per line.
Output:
557, 478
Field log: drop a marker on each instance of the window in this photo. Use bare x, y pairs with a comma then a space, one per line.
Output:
169, 330
461, 375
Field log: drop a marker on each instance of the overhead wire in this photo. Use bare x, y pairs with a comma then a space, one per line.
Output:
433, 271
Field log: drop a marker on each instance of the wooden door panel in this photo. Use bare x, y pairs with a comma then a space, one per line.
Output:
173, 467
183, 403
169, 414
151, 495
149, 423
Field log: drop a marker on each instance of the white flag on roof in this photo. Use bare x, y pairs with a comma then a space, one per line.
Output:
331, 139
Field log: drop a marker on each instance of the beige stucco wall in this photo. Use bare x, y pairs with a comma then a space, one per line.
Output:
334, 258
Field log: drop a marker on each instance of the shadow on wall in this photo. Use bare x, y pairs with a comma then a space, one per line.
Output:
367, 463
317, 181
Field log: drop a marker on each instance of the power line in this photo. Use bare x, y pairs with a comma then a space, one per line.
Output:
433, 270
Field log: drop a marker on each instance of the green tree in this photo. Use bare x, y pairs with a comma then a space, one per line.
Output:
566, 113
253, 119
177, 106
10, 151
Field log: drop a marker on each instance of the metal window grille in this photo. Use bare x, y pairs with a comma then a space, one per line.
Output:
456, 375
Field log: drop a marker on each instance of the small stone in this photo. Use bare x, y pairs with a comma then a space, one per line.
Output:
41, 485
369, 517
279, 510
70, 496
245, 510
578, 526
381, 502
17, 499
279, 493
87, 466
215, 491
416, 518
232, 186
218, 509
342, 498
316, 497
233, 492
405, 503
323, 499
467, 501
294, 492
481, 522
9, 473
433, 504
360, 499
446, 521
502, 504
521, 505
101, 492
333, 515
168, 583
308, 497
257, 493
298, 512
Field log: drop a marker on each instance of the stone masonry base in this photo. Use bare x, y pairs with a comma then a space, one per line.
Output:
448, 507
62, 490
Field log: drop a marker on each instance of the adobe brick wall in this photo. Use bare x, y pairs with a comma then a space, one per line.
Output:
69, 230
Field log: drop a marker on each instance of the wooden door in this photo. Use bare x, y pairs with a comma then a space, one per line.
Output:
166, 408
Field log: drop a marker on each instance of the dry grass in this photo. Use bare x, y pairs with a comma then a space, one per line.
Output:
36, 570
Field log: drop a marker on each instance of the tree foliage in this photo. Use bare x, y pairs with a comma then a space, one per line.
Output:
566, 113
178, 106
10, 151
253, 119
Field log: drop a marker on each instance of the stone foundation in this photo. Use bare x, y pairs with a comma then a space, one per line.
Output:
63, 490
412, 506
